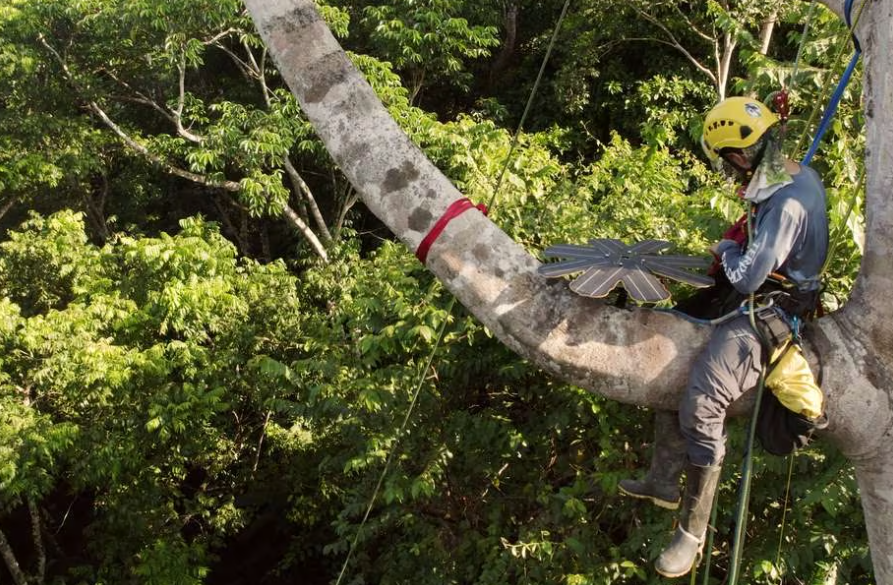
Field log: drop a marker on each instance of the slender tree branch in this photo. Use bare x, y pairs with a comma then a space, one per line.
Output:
676, 44
691, 25
349, 201
243, 67
226, 185
260, 443
216, 38
302, 188
4, 209
133, 144
173, 116
305, 230
145, 102
181, 103
729, 43
181, 95
18, 576
40, 550
257, 68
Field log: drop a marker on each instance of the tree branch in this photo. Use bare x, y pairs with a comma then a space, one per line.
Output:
676, 44
18, 576
133, 144
260, 443
691, 25
4, 209
725, 66
226, 185
766, 31
39, 548
216, 38
243, 67
174, 117
305, 230
302, 188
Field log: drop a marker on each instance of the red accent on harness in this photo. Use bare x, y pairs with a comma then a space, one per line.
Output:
455, 209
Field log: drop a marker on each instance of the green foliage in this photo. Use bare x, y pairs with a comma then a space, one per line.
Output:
43, 265
175, 408
431, 40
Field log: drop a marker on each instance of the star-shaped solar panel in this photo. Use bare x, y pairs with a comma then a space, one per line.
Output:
608, 262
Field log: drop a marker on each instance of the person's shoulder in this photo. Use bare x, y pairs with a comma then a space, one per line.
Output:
807, 173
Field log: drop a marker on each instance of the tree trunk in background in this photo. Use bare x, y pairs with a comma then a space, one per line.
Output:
637, 357
509, 44
766, 33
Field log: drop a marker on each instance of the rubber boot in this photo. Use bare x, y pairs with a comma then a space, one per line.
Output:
688, 542
661, 484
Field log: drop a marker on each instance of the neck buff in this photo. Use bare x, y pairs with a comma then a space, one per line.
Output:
770, 176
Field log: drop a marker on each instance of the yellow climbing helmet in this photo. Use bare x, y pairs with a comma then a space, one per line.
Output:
736, 122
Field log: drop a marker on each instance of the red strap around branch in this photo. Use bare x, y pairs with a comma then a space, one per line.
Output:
455, 209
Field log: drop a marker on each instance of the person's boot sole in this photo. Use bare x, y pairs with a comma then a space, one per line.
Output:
666, 504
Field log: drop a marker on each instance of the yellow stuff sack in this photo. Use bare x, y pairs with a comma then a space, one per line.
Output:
793, 384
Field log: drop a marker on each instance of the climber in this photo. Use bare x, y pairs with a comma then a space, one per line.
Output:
789, 238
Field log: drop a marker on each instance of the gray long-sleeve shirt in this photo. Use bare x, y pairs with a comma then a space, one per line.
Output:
790, 237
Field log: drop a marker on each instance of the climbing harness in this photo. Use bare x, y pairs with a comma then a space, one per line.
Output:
454, 210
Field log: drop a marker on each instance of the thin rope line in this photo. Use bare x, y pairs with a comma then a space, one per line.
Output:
533, 91
784, 509
809, 15
387, 464
826, 83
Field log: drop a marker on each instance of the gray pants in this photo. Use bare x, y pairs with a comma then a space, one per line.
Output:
728, 366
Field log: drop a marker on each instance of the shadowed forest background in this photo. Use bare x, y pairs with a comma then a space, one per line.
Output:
207, 344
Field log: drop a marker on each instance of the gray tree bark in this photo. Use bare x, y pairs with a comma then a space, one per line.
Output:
637, 357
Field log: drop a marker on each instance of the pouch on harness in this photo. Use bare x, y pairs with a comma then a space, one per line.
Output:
792, 405
782, 426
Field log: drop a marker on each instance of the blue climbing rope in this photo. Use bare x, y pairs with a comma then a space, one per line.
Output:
831, 108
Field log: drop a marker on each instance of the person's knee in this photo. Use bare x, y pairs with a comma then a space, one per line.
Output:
702, 423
